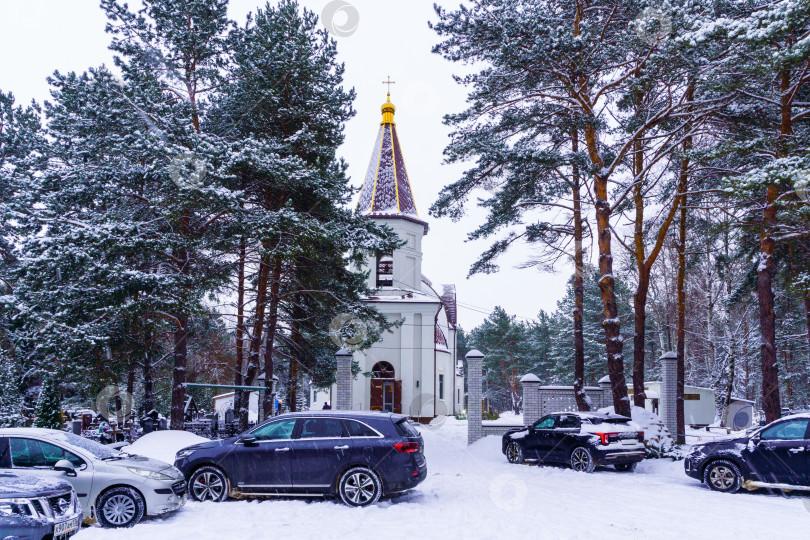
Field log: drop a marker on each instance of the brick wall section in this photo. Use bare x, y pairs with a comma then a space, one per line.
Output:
498, 430
475, 430
669, 380
343, 400
539, 401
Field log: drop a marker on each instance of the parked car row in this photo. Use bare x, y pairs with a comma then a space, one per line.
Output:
356, 457
776, 456
50, 480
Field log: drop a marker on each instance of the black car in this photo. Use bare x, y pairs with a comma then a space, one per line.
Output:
355, 455
35, 508
582, 440
776, 456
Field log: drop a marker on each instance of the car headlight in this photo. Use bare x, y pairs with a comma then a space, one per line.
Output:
152, 475
15, 507
183, 454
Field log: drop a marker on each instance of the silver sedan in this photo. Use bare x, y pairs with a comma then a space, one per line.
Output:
114, 487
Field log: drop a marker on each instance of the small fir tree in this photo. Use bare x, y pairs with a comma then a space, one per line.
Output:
48, 411
10, 405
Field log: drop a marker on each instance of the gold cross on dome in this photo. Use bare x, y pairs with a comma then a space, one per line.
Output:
389, 82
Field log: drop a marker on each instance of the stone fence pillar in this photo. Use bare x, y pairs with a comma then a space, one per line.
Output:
607, 393
532, 406
669, 393
343, 400
475, 429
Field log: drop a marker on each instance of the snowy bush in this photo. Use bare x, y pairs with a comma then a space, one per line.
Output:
657, 438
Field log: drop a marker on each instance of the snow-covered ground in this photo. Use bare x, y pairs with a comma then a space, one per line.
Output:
474, 493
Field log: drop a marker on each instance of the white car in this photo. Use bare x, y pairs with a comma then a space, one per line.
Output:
114, 487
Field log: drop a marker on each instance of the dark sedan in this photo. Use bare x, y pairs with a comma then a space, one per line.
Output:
582, 440
357, 456
776, 456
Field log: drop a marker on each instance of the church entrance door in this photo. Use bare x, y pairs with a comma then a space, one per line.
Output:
386, 395
386, 391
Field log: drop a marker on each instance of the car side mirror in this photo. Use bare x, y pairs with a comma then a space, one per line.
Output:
65, 466
247, 440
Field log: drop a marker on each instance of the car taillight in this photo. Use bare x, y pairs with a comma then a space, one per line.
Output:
406, 447
607, 438
641, 436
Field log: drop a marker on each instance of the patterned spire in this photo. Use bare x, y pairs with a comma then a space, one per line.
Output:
386, 189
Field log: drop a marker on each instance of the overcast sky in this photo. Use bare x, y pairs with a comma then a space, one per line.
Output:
382, 38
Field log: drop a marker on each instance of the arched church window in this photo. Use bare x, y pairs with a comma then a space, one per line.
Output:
385, 270
383, 370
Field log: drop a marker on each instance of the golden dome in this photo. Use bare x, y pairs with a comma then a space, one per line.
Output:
388, 111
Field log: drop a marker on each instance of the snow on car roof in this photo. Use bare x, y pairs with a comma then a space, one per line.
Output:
336, 412
65, 437
587, 414
804, 414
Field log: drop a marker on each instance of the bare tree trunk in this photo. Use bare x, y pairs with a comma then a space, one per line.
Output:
579, 287
640, 323
148, 393
611, 323
131, 377
640, 296
272, 323
806, 302
767, 319
256, 337
179, 372
680, 419
765, 271
238, 395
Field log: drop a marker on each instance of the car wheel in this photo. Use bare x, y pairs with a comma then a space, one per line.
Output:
208, 483
582, 460
359, 486
514, 453
723, 475
626, 467
120, 507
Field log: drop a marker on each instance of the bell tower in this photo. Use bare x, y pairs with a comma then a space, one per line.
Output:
387, 198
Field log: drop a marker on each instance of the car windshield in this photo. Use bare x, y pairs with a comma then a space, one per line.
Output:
99, 451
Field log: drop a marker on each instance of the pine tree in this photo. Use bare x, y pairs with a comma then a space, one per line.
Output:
765, 140
549, 70
283, 114
508, 356
48, 411
10, 400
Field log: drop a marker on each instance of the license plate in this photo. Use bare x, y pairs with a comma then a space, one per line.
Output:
629, 442
65, 527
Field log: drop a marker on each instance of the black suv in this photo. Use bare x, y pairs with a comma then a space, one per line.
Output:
776, 456
357, 456
582, 440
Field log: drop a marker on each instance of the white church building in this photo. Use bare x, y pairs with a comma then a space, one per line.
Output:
413, 370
